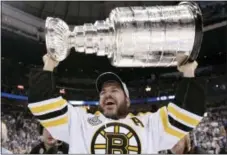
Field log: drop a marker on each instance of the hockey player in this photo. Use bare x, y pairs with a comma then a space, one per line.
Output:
112, 129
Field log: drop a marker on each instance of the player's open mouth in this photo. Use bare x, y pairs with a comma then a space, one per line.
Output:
110, 103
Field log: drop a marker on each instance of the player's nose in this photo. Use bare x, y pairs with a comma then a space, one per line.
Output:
108, 94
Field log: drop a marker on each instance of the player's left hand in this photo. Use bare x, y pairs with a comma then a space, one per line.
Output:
187, 69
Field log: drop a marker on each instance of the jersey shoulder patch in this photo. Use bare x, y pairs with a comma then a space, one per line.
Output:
94, 120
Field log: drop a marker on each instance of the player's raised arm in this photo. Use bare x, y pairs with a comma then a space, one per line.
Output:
42, 81
53, 113
190, 94
187, 110
184, 113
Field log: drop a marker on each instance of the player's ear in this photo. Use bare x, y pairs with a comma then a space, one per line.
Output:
128, 102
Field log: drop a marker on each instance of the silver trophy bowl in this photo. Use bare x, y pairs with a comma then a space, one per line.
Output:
133, 36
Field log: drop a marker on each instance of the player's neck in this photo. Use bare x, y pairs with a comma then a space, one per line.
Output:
117, 117
123, 116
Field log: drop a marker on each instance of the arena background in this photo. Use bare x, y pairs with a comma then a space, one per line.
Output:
23, 45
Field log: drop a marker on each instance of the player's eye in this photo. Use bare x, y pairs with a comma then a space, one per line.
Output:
114, 90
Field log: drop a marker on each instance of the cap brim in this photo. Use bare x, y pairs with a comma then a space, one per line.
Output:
105, 77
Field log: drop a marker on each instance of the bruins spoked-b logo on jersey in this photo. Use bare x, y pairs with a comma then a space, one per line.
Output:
115, 138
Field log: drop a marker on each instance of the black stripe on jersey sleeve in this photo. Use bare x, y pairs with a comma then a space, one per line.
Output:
53, 114
178, 124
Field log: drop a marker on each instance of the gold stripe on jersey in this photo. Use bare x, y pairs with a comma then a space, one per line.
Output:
129, 135
139, 114
100, 146
116, 129
167, 128
143, 113
103, 133
48, 107
57, 122
133, 148
97, 113
183, 116
131, 115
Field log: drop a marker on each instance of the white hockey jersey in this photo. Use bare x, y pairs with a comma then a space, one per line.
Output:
94, 133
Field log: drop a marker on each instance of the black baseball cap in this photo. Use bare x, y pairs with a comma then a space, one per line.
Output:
110, 76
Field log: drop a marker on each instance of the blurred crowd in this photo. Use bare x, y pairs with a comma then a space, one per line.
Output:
210, 135
22, 132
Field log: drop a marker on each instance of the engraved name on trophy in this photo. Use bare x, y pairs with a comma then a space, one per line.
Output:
133, 36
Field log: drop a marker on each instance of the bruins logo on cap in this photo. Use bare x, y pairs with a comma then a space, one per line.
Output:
115, 138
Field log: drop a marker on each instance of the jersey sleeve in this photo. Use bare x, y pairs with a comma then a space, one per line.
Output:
170, 133
54, 113
174, 121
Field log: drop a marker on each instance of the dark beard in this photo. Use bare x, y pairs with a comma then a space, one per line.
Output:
122, 111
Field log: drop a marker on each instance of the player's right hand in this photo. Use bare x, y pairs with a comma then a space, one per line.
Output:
49, 63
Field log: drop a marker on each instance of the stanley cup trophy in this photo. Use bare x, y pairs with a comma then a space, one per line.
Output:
133, 36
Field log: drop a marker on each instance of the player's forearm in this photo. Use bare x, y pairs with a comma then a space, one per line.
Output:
41, 85
190, 95
42, 82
